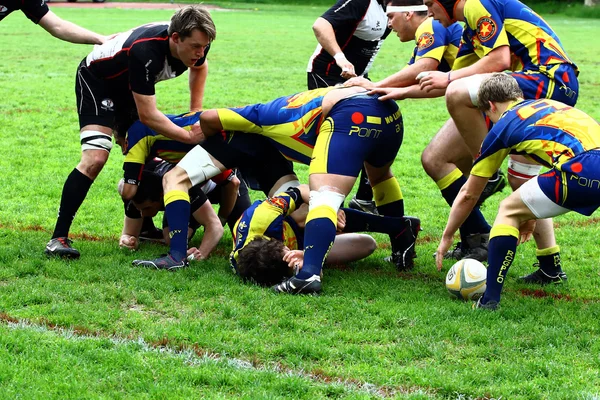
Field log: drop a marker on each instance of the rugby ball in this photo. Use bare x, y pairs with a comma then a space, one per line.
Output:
466, 279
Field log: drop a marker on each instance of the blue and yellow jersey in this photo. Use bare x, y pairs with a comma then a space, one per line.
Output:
291, 122
494, 23
547, 131
268, 218
435, 41
143, 143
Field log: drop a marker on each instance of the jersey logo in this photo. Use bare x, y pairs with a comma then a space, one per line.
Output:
279, 203
486, 28
425, 40
3, 9
107, 104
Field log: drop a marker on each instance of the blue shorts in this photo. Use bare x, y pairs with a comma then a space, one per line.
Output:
536, 85
576, 185
358, 129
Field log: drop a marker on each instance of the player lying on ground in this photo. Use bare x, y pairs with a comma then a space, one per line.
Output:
550, 133
268, 241
148, 201
335, 131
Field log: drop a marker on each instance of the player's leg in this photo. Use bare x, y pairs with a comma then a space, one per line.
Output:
363, 199
349, 247
461, 100
520, 170
196, 167
526, 203
96, 112
447, 160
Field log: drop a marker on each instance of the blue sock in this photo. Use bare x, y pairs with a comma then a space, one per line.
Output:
501, 253
177, 211
319, 234
358, 221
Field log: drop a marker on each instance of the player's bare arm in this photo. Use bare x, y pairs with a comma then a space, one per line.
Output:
197, 81
497, 60
157, 121
461, 208
326, 37
68, 31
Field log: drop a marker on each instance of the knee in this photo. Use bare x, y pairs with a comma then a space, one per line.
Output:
370, 245
430, 160
91, 164
457, 96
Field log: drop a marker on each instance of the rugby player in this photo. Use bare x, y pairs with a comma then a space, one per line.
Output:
548, 132
268, 239
498, 35
224, 189
349, 34
335, 131
39, 13
115, 84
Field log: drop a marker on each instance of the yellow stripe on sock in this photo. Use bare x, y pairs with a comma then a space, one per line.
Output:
175, 195
548, 251
504, 230
320, 154
449, 179
387, 192
322, 212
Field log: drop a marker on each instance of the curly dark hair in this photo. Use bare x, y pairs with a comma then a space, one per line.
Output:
261, 262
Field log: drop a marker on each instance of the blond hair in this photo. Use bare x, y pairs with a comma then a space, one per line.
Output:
499, 88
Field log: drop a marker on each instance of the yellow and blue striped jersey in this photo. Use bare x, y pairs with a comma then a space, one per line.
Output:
490, 24
291, 122
435, 41
269, 218
143, 143
546, 131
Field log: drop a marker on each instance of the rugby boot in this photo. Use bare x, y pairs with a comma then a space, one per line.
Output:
367, 206
540, 277
166, 262
495, 185
490, 305
403, 245
477, 246
152, 235
295, 285
61, 247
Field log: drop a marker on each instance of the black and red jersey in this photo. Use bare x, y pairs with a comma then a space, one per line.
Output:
137, 59
360, 27
33, 9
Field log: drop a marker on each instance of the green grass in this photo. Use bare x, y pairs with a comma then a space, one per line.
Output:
98, 327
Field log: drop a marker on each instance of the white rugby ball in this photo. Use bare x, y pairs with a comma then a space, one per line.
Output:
466, 279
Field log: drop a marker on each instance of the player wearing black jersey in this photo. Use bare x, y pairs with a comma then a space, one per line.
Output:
39, 13
115, 83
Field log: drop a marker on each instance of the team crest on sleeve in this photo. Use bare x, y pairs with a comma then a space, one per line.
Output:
425, 40
279, 203
486, 28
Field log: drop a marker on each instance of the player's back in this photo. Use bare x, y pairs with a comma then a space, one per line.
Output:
533, 43
547, 130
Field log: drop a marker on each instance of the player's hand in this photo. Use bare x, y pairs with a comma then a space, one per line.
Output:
359, 81
388, 93
295, 259
526, 231
194, 254
341, 220
430, 80
443, 247
196, 134
128, 242
346, 66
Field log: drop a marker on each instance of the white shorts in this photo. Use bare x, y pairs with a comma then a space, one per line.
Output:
539, 204
198, 165
473, 83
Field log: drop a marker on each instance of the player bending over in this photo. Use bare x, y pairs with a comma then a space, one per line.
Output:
550, 133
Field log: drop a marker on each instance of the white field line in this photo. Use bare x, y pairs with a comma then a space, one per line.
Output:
192, 358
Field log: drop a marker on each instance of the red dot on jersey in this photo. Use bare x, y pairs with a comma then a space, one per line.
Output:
357, 118
576, 167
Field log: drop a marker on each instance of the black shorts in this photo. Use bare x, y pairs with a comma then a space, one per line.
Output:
99, 103
254, 155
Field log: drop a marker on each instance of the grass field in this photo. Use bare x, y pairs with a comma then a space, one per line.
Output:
99, 328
